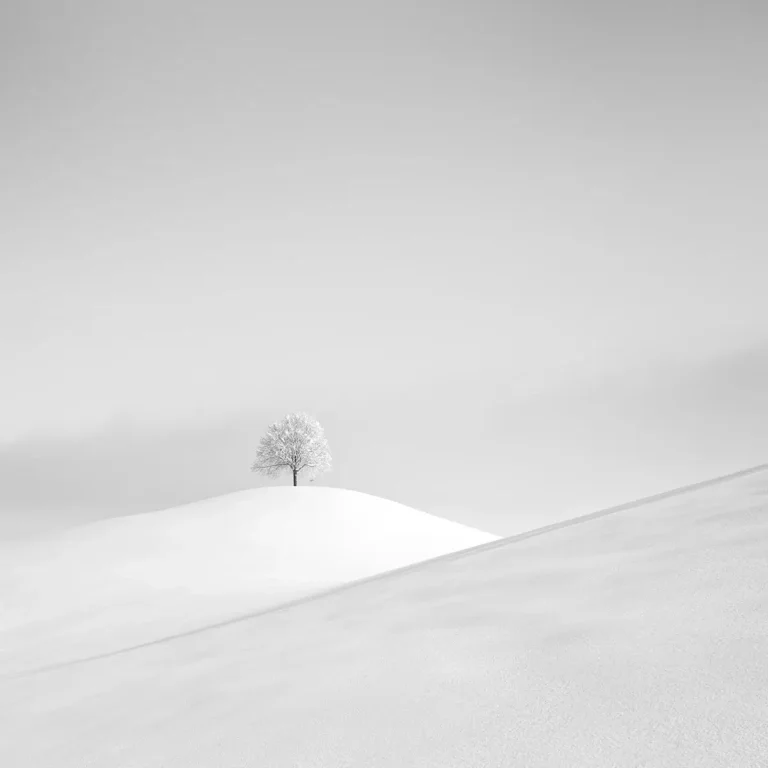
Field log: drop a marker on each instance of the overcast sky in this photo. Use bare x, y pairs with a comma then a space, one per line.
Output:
513, 255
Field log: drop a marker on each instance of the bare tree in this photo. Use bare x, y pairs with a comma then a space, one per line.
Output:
296, 444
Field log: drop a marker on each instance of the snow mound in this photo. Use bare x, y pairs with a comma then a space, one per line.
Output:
123, 581
637, 638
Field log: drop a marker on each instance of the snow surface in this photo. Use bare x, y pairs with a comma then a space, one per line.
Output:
119, 582
635, 639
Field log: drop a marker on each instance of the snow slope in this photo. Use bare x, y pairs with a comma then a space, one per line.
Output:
118, 582
637, 638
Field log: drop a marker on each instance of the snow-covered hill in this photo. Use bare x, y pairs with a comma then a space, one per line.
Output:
128, 580
637, 638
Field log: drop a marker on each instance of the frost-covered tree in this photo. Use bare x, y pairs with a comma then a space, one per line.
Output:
295, 444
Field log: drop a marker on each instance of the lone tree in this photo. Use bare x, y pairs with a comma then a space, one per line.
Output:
296, 444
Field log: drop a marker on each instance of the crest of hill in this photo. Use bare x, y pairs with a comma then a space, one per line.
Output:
634, 638
132, 579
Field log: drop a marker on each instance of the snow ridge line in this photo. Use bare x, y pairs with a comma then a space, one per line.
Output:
394, 573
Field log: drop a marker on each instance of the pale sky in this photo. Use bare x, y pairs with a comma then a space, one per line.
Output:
513, 256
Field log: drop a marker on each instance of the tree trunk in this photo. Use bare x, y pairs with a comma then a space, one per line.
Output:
295, 478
